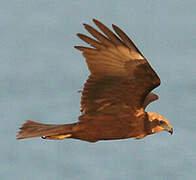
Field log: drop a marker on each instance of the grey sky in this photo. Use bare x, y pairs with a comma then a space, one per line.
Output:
41, 72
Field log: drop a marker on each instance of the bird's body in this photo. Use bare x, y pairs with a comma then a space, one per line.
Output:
115, 95
110, 126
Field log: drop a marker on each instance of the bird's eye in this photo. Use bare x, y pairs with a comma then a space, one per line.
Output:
161, 122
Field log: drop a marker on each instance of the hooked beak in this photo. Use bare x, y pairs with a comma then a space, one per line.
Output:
171, 131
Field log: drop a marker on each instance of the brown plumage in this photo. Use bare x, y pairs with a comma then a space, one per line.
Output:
115, 95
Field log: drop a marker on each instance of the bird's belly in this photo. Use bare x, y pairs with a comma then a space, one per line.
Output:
109, 128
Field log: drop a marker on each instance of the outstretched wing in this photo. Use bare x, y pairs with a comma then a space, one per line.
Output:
120, 74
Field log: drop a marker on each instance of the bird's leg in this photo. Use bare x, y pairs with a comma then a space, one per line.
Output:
58, 137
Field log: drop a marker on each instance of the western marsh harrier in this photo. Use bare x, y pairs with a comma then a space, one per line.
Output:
115, 95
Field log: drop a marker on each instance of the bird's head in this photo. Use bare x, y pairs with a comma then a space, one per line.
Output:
159, 123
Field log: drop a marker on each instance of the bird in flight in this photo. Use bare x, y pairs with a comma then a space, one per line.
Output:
115, 95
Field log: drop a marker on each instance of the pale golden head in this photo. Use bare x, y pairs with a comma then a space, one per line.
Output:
159, 123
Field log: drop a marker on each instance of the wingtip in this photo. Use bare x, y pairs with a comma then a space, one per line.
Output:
79, 35
78, 48
85, 25
115, 27
94, 19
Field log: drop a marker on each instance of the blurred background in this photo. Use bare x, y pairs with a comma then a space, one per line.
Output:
41, 72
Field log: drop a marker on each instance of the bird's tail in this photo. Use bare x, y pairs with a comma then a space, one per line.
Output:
32, 129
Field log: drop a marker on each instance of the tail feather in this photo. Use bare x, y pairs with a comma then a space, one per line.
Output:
32, 129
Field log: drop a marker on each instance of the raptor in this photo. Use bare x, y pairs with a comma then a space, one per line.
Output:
114, 97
